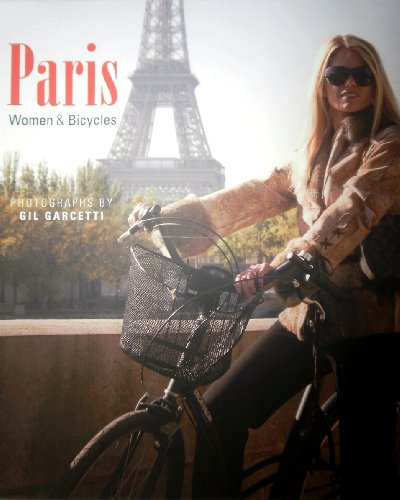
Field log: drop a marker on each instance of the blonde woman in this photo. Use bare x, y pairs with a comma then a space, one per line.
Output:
345, 184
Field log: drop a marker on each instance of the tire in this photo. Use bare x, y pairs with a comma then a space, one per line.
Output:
311, 468
130, 458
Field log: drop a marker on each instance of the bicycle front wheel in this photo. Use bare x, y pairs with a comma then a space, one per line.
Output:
130, 458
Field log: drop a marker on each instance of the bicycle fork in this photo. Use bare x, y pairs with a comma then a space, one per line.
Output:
167, 441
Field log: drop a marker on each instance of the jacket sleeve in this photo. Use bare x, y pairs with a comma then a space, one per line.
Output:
366, 198
230, 209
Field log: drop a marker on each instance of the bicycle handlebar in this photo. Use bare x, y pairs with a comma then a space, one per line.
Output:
150, 215
303, 261
146, 213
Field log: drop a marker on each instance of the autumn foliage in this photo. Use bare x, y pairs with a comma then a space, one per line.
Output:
61, 263
46, 255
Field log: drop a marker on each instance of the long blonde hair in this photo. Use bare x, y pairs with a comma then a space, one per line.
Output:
319, 125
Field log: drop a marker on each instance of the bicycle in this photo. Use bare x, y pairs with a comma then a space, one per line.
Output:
183, 322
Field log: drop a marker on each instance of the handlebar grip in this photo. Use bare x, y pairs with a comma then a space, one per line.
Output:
302, 262
279, 271
127, 234
145, 215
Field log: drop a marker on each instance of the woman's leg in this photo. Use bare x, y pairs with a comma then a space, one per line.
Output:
369, 382
273, 369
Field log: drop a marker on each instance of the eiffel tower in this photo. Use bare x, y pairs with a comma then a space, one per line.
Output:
163, 79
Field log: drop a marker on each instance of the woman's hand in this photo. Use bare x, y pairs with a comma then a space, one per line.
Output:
251, 280
134, 215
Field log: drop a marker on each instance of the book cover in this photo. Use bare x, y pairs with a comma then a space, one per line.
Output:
67, 71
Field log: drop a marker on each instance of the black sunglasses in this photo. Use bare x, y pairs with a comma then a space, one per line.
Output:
338, 75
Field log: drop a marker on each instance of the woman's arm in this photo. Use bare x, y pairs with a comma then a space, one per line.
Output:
230, 209
366, 198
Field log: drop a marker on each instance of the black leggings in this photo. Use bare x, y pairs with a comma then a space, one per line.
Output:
369, 380
272, 370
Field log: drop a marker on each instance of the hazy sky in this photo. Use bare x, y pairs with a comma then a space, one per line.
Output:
252, 57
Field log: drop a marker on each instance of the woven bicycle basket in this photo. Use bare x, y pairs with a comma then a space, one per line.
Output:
179, 321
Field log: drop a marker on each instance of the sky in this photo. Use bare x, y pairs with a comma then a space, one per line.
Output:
253, 59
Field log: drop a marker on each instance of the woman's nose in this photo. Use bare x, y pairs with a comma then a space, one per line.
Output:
350, 82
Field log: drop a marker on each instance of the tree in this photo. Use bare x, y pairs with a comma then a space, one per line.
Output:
35, 252
262, 241
88, 245
10, 169
43, 179
81, 252
27, 181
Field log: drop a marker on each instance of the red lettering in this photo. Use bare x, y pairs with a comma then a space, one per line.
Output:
70, 66
91, 88
110, 83
49, 97
22, 66
16, 75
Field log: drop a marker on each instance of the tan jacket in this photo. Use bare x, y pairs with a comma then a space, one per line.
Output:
354, 182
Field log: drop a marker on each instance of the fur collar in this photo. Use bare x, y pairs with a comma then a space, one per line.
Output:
354, 131
357, 126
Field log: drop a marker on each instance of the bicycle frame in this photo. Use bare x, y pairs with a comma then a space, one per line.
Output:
200, 416
307, 413
308, 410
159, 420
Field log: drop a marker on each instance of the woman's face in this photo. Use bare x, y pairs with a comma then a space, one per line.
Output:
348, 97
